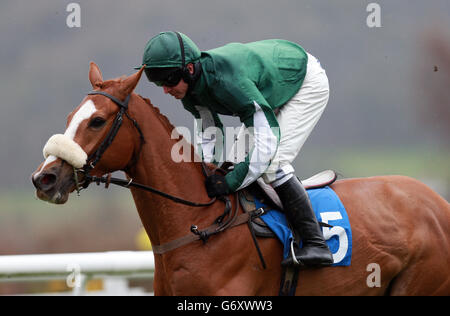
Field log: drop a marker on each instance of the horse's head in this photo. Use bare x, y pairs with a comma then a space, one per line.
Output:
87, 128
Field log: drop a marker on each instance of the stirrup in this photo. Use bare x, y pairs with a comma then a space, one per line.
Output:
294, 262
294, 258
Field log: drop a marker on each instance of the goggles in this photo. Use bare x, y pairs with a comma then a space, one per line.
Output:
168, 77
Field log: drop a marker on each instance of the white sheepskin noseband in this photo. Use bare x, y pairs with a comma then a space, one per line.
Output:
63, 147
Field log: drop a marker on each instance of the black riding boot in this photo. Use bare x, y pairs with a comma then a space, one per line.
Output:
300, 214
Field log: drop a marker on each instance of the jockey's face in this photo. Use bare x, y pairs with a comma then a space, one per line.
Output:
179, 91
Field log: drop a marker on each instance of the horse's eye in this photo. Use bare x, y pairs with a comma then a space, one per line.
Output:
97, 122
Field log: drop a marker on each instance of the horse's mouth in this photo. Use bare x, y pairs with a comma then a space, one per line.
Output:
54, 197
54, 186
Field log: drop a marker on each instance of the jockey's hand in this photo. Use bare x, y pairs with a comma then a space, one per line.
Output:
216, 185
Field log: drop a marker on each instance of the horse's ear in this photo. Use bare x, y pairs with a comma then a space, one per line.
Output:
128, 84
95, 75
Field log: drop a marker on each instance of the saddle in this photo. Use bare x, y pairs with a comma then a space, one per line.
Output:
268, 196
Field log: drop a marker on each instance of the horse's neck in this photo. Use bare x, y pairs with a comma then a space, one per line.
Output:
162, 218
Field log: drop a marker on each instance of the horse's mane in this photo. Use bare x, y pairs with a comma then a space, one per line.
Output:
169, 127
164, 120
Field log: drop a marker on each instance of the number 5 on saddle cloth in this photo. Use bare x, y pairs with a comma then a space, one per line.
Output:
328, 209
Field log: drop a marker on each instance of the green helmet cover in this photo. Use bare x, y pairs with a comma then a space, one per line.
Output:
164, 50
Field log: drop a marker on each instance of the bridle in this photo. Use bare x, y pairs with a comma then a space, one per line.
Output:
94, 158
228, 219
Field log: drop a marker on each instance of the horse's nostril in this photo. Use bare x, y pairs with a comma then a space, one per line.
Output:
46, 181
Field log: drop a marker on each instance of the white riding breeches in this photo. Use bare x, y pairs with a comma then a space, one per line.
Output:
296, 119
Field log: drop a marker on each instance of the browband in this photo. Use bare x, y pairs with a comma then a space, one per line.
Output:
123, 104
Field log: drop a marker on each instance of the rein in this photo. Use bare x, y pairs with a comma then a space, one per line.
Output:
129, 183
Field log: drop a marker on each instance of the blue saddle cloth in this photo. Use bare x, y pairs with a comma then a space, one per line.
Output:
329, 209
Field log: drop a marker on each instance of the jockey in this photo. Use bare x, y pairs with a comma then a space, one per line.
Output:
278, 91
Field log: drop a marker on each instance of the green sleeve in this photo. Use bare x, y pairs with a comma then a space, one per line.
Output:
261, 122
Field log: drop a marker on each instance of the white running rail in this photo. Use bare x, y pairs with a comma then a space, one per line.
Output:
114, 267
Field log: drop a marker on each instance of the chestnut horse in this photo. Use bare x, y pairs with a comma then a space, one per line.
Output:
399, 224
